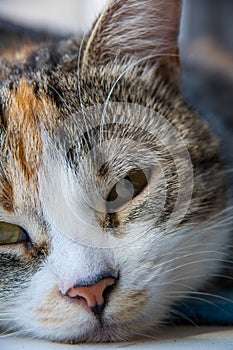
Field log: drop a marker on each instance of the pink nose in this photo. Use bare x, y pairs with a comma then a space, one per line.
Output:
93, 295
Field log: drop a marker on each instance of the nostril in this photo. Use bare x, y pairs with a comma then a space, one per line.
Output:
94, 295
98, 309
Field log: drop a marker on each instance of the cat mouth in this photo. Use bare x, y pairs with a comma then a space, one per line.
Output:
105, 329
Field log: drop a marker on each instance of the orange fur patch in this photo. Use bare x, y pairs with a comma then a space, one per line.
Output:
25, 115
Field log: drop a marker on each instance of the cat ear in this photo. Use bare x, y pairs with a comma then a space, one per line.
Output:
141, 30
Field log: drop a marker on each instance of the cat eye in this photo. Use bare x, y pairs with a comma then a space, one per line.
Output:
127, 189
10, 234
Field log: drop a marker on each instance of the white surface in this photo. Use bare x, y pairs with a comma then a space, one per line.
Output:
188, 338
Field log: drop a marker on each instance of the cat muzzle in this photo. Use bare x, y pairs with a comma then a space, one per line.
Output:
94, 295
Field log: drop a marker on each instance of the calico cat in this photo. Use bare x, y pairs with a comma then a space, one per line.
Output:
113, 197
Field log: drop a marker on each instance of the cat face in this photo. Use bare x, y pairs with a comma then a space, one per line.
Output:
110, 186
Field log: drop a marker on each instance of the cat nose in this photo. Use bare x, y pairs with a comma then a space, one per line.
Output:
94, 294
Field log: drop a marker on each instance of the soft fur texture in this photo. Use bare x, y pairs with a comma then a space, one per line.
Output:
76, 117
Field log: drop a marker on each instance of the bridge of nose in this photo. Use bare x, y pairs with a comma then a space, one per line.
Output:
76, 265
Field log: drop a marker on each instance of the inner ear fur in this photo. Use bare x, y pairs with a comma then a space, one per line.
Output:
135, 29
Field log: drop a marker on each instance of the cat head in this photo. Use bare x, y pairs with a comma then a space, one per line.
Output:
109, 184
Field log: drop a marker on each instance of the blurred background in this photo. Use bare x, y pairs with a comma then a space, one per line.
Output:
62, 15
201, 17
206, 44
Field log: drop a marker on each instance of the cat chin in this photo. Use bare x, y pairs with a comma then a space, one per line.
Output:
91, 330
96, 335
87, 328
97, 332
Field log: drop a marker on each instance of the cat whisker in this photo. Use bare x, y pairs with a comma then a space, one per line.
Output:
144, 335
220, 214
174, 283
8, 334
184, 247
182, 315
176, 296
185, 277
181, 250
227, 277
191, 254
193, 263
213, 295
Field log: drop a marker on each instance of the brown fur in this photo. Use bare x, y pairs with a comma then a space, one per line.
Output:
18, 55
6, 193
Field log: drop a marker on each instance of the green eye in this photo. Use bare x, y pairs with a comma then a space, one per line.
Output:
126, 189
11, 234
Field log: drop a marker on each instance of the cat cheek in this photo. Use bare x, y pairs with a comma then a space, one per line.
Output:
43, 311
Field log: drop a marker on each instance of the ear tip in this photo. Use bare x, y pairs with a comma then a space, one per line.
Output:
128, 28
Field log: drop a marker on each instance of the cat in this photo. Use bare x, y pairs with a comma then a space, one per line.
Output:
113, 194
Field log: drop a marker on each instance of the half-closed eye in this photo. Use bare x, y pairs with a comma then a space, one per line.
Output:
127, 188
10, 234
